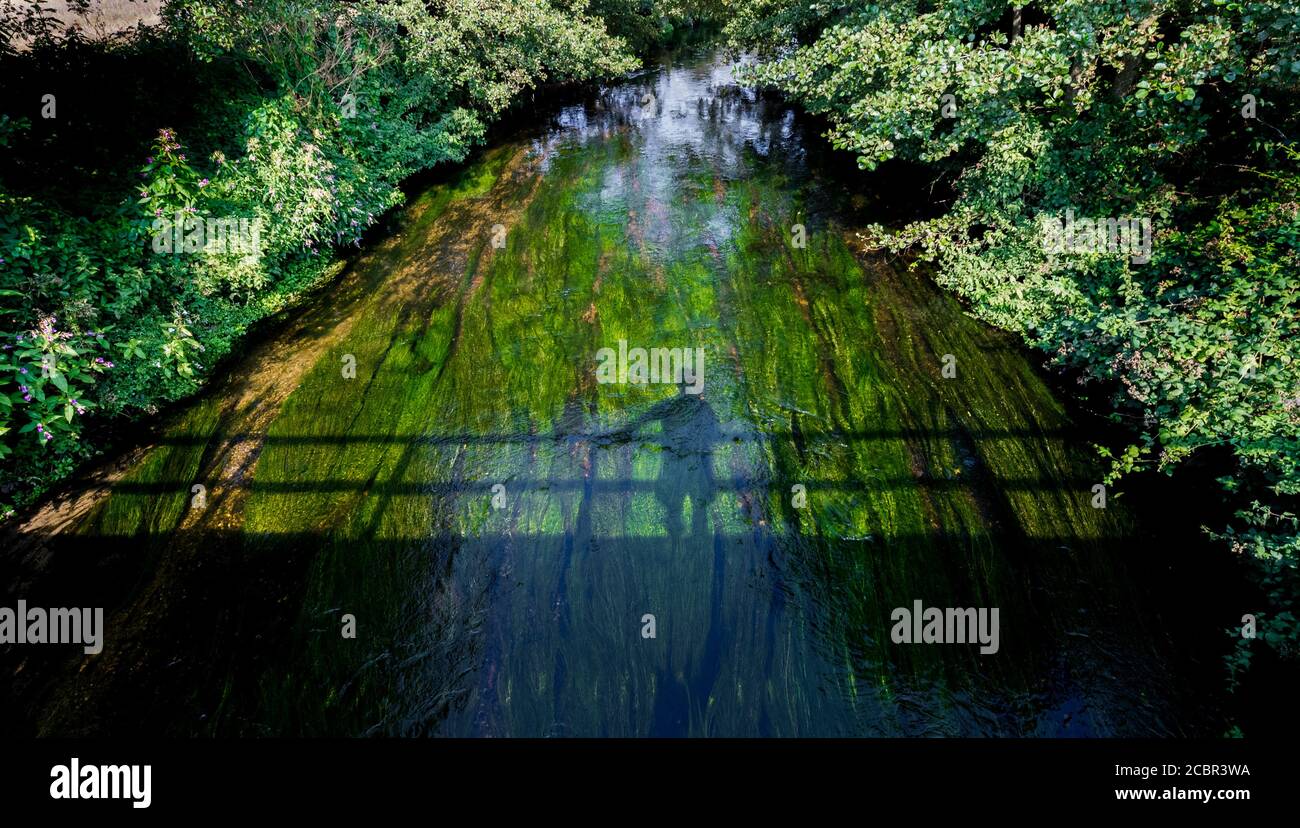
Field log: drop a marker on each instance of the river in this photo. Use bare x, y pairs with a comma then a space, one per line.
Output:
421, 514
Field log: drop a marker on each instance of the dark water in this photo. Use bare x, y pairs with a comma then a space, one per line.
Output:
662, 211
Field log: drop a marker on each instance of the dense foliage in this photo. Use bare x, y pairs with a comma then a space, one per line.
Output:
293, 121
1177, 112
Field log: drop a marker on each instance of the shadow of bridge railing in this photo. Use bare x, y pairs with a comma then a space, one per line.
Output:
600, 486
611, 437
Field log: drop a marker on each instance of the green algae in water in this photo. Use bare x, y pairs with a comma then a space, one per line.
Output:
498, 523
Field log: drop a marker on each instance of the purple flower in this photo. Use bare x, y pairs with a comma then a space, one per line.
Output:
203, 182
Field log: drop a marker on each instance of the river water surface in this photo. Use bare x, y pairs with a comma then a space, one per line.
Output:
497, 525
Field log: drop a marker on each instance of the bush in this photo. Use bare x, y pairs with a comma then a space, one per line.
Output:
1172, 112
305, 117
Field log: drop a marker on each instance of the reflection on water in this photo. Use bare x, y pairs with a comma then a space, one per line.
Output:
499, 523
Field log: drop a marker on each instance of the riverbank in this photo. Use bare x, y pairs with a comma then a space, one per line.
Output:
228, 120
